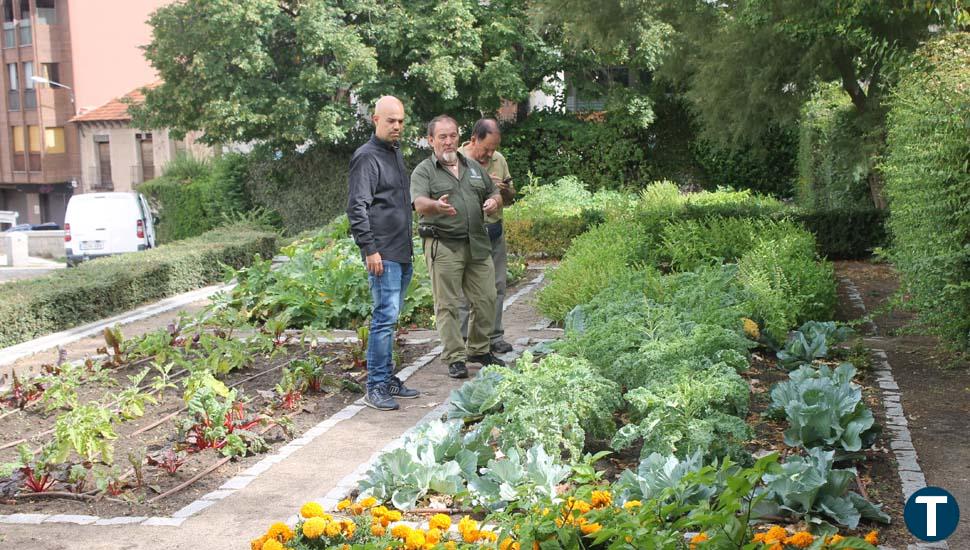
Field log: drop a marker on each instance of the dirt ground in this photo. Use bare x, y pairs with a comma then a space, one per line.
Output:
935, 388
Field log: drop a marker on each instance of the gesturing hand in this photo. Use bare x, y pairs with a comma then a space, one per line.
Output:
490, 206
444, 207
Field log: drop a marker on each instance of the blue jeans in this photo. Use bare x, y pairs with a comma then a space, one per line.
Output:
387, 292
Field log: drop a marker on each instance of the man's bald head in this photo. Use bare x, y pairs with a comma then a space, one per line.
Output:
388, 119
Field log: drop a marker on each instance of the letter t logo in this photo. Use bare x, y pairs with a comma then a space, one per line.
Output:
931, 502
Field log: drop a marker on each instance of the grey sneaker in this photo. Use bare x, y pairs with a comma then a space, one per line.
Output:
458, 370
396, 388
501, 346
379, 398
486, 359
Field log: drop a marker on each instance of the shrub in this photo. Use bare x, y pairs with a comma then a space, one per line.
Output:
928, 186
688, 244
846, 233
593, 260
836, 151
103, 287
767, 168
785, 284
195, 195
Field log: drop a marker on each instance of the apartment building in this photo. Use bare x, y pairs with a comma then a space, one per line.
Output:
61, 58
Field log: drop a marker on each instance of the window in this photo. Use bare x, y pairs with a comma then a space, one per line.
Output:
25, 36
19, 164
104, 162
50, 71
147, 156
30, 96
8, 11
46, 12
9, 30
33, 148
53, 140
13, 88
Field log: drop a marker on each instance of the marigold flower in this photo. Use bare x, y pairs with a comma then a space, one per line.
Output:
581, 505
257, 544
834, 539
776, 546
343, 504
601, 499
801, 539
471, 535
394, 515
759, 537
279, 531
400, 531
378, 530
348, 527
378, 511
631, 504
508, 544
872, 537
697, 539
311, 510
415, 540
439, 521
332, 529
776, 534
356, 509
590, 528
489, 536
272, 544
451, 545
368, 502
433, 535
750, 328
467, 524
314, 527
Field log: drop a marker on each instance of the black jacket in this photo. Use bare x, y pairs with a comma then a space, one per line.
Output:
379, 202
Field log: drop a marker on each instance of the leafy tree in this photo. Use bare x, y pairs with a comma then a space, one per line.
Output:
284, 71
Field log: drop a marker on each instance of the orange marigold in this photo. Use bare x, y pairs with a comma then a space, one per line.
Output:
378, 530
590, 528
601, 499
872, 537
801, 539
272, 544
697, 539
776, 534
509, 544
433, 536
348, 527
279, 531
356, 509
257, 544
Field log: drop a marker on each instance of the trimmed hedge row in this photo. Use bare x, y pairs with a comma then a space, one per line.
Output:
104, 287
928, 184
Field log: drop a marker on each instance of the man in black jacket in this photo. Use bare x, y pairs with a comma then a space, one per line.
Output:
379, 209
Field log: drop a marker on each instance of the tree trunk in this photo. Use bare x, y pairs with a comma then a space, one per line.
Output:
850, 82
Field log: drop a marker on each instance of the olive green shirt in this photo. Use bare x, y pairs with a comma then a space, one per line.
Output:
498, 167
467, 194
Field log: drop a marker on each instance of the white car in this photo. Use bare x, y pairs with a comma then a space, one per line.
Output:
102, 224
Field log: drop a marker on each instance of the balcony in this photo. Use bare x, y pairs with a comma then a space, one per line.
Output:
13, 100
94, 181
30, 98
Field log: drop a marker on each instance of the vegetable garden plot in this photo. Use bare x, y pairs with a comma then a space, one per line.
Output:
127, 436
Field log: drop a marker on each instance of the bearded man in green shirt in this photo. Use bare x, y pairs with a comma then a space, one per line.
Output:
452, 195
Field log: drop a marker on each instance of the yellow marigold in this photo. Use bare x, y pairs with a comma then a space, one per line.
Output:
279, 531
490, 536
834, 539
257, 544
631, 504
332, 529
311, 510
415, 540
440, 521
394, 515
433, 536
801, 539
348, 527
750, 328
378, 530
314, 527
378, 511
400, 531
581, 505
601, 499
509, 544
368, 502
872, 537
590, 528
343, 504
471, 535
467, 524
272, 544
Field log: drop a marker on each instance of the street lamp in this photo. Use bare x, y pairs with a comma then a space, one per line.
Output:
50, 82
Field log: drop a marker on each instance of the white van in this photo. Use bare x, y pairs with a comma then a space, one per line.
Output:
101, 224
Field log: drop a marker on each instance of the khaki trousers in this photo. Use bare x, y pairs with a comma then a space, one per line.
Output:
500, 260
455, 274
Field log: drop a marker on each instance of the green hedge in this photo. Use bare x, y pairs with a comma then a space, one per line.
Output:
928, 185
837, 148
195, 196
108, 286
846, 234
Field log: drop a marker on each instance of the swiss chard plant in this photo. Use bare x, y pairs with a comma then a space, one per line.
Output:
824, 408
812, 341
